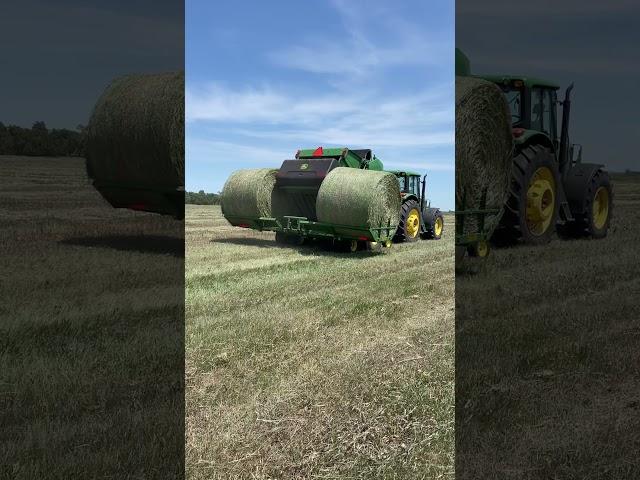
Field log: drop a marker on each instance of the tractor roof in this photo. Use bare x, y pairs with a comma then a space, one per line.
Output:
403, 172
527, 80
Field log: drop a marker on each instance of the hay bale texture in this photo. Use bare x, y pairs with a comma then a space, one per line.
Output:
484, 147
247, 193
135, 136
359, 198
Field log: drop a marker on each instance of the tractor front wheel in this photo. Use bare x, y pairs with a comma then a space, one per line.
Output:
595, 220
434, 221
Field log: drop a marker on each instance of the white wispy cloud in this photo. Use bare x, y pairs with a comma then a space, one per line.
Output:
221, 104
230, 153
362, 118
350, 102
358, 54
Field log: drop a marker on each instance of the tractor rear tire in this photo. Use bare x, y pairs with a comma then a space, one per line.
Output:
410, 222
434, 222
595, 220
532, 205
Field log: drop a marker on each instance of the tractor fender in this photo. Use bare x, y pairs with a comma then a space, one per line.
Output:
576, 182
409, 196
532, 137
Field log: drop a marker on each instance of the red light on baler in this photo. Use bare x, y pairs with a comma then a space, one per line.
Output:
318, 152
517, 132
244, 225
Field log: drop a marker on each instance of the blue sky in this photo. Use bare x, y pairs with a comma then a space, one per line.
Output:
267, 78
57, 57
593, 44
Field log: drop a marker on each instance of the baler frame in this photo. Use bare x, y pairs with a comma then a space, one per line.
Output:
477, 243
305, 228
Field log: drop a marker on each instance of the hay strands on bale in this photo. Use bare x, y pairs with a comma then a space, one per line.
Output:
135, 143
247, 196
351, 204
484, 147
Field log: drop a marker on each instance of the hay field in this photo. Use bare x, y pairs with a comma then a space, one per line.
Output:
304, 363
547, 379
91, 330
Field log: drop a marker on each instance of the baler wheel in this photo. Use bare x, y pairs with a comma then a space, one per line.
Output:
479, 249
348, 246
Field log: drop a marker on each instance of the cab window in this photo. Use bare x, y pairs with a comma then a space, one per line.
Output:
536, 108
413, 184
401, 182
513, 100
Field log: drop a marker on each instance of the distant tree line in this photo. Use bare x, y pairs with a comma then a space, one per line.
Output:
202, 198
41, 141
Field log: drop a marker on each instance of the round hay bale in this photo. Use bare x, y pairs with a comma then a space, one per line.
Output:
247, 193
484, 147
135, 136
359, 198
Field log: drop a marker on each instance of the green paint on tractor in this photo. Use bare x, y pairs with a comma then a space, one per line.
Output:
301, 178
544, 160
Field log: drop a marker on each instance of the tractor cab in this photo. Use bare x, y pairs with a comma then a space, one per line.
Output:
550, 186
562, 189
417, 218
410, 183
532, 104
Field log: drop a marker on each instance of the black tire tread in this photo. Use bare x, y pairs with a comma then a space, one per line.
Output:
401, 233
509, 230
582, 226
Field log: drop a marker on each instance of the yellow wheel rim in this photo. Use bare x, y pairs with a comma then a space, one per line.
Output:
413, 223
353, 246
541, 201
600, 207
482, 248
437, 228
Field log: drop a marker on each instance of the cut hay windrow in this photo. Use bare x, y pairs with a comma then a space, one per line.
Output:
484, 147
247, 193
135, 136
359, 198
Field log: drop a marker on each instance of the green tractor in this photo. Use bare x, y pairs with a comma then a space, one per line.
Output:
300, 178
417, 219
550, 185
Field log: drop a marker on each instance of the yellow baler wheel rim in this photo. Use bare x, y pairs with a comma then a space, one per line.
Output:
482, 249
